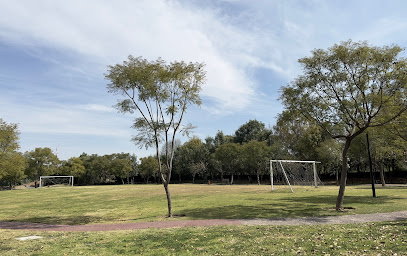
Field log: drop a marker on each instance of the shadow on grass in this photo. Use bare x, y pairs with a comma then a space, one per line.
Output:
308, 206
60, 220
379, 187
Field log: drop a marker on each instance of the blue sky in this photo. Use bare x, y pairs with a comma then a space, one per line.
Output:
53, 55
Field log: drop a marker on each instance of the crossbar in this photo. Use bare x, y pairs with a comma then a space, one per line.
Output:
42, 177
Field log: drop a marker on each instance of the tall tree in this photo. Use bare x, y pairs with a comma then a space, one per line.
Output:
161, 94
41, 161
347, 89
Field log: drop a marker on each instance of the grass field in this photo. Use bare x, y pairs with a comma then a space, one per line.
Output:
360, 239
137, 203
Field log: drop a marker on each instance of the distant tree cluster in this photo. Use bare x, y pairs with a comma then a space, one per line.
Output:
243, 156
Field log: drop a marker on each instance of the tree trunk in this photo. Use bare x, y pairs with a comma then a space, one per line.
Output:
382, 174
344, 174
193, 178
337, 176
258, 178
231, 179
167, 192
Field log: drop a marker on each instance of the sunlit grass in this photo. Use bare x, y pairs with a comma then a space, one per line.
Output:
356, 239
137, 203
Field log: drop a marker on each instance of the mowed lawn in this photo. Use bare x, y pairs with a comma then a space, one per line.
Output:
138, 203
388, 238
135, 203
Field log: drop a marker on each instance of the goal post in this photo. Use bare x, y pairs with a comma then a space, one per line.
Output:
70, 179
303, 175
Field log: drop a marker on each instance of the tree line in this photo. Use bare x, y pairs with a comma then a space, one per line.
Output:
243, 156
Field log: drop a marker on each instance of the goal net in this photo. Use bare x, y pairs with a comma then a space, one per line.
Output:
292, 172
56, 180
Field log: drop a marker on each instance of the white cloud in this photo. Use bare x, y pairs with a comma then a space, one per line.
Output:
96, 107
107, 33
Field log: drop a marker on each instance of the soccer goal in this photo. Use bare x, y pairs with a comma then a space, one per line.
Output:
292, 172
56, 180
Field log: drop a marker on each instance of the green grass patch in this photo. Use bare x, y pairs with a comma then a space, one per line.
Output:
388, 238
138, 203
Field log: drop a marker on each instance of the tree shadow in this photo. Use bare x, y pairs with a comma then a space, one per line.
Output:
59, 220
309, 206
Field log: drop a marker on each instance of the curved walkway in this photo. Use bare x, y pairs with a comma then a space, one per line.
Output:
345, 219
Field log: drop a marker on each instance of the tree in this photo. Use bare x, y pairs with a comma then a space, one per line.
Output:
347, 89
252, 130
148, 167
228, 155
329, 153
193, 157
298, 137
41, 161
12, 163
72, 167
121, 166
254, 156
161, 94
9, 136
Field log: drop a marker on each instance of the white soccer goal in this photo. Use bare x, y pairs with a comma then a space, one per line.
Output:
292, 172
56, 180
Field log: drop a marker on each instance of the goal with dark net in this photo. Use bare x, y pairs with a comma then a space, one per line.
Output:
56, 181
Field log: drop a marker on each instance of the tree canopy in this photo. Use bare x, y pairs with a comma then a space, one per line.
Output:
348, 88
161, 94
12, 163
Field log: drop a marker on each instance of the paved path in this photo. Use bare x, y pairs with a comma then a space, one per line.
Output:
345, 219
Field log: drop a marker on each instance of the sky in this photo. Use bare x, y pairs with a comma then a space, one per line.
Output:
54, 54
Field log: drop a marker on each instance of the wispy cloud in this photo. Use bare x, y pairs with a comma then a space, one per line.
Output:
107, 33
250, 49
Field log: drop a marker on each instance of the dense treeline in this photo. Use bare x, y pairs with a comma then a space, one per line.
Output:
241, 157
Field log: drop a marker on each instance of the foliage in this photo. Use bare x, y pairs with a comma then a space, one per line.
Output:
97, 169
72, 167
255, 156
9, 136
193, 157
120, 165
252, 130
347, 89
40, 162
148, 167
298, 137
12, 167
12, 163
161, 93
228, 156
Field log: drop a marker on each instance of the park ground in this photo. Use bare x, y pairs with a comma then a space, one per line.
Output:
141, 203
